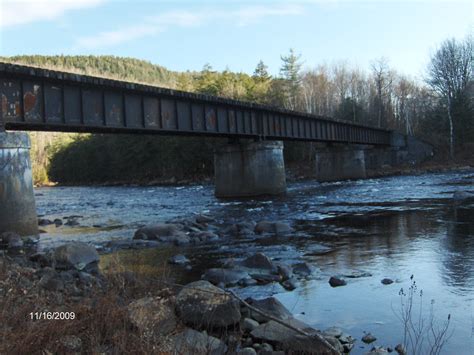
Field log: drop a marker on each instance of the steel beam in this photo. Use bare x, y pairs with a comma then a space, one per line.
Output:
45, 100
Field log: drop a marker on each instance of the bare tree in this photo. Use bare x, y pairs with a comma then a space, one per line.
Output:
450, 71
383, 81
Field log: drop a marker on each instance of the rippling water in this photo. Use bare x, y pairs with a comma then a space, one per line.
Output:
391, 227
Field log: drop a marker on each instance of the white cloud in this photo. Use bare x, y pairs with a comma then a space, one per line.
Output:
20, 12
153, 25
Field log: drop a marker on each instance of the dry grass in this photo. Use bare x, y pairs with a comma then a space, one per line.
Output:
101, 316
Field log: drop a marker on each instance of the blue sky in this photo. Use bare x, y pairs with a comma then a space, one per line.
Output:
182, 35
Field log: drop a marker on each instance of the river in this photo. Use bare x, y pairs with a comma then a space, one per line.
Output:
392, 227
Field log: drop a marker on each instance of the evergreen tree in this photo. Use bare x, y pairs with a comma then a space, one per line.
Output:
290, 71
261, 72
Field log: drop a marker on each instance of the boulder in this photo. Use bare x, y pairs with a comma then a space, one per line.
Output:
303, 269
387, 281
290, 340
193, 342
164, 232
80, 256
284, 271
247, 351
368, 338
277, 228
270, 306
336, 281
153, 316
227, 277
204, 305
249, 324
258, 261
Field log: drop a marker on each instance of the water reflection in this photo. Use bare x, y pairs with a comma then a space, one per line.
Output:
458, 258
392, 227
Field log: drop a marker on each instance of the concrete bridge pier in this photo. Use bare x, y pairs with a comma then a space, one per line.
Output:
17, 199
246, 169
339, 163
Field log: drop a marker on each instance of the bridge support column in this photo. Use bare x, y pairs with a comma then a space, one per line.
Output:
340, 163
249, 169
17, 200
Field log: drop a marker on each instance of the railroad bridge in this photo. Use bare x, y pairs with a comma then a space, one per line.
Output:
251, 164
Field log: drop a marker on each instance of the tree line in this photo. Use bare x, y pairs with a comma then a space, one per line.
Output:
438, 109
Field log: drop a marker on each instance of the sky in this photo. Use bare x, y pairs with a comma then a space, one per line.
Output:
185, 35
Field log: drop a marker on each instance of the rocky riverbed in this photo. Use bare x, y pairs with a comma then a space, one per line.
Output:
201, 317
335, 256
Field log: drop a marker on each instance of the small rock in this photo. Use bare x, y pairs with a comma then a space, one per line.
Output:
71, 222
463, 196
377, 351
336, 282
266, 347
191, 341
57, 222
160, 231
178, 260
333, 332
303, 269
358, 274
266, 278
348, 347
368, 338
205, 237
202, 219
284, 271
247, 351
44, 222
400, 349
290, 284
249, 324
227, 277
51, 282
278, 228
346, 339
387, 281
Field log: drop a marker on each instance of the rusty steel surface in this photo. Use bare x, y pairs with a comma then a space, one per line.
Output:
46, 100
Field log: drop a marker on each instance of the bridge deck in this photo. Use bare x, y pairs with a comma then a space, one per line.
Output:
46, 100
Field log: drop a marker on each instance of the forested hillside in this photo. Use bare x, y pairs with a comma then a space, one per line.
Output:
435, 110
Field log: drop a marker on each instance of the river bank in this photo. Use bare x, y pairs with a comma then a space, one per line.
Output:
294, 172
